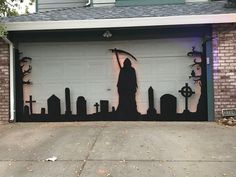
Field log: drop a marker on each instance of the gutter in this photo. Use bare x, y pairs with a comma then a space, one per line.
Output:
12, 78
121, 22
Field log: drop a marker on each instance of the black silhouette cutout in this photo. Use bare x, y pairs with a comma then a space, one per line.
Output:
20, 74
168, 107
96, 105
81, 106
186, 92
117, 51
19, 88
127, 108
68, 103
43, 111
151, 110
54, 106
104, 106
196, 64
127, 87
25, 72
202, 103
31, 101
201, 79
26, 111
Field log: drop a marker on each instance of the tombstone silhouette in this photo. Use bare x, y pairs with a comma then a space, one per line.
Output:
81, 106
68, 103
151, 110
168, 106
104, 106
54, 106
43, 111
26, 111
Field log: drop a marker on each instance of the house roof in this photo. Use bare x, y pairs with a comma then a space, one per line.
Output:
119, 17
89, 13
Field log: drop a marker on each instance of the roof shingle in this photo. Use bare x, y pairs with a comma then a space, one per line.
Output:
88, 13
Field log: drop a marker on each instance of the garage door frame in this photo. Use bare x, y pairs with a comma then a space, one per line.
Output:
177, 31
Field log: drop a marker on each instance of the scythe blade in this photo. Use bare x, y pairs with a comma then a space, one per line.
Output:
117, 51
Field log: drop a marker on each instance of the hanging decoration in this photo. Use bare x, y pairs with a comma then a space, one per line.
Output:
23, 62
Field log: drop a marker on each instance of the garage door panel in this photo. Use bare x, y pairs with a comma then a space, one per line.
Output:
47, 70
174, 67
89, 69
97, 70
44, 91
75, 73
35, 51
164, 47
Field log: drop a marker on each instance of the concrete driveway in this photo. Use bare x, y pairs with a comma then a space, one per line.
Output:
118, 149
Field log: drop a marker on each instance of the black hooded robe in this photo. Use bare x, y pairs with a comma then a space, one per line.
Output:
127, 87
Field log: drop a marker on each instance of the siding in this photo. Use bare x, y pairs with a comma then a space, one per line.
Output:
44, 5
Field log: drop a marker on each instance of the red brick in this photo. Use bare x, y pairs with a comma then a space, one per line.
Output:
224, 67
4, 82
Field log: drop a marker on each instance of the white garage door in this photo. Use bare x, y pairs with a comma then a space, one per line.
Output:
89, 69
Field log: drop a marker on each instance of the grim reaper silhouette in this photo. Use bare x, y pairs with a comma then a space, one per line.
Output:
127, 86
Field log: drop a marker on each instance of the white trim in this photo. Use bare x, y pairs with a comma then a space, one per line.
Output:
12, 79
122, 22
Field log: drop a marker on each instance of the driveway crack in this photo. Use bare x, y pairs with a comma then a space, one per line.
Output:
90, 149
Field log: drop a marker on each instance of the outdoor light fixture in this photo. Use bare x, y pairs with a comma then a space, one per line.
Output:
107, 34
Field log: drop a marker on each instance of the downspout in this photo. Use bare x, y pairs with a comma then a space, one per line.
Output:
12, 79
88, 3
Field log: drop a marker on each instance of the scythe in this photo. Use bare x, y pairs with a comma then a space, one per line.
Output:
117, 51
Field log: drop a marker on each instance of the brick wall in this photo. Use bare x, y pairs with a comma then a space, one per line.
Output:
224, 67
4, 82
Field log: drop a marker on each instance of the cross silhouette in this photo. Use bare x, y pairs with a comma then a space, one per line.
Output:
97, 106
31, 101
186, 92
